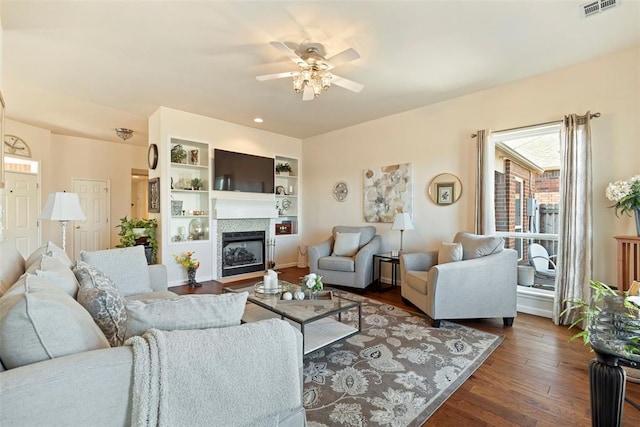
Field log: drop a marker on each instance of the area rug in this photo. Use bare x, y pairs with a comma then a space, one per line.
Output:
396, 372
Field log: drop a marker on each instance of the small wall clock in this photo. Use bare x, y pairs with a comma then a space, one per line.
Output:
340, 191
152, 156
16, 146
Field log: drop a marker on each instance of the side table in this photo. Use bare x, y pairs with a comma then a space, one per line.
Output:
386, 258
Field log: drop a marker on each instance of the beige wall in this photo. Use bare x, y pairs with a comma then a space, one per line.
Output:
63, 158
436, 139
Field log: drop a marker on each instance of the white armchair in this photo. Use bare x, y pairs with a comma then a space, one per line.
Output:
482, 284
351, 268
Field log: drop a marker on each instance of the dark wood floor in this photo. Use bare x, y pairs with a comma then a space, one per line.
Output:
535, 377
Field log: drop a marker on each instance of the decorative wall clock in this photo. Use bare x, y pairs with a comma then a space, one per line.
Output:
152, 156
15, 145
340, 191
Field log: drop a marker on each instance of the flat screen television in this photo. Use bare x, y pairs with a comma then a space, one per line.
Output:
242, 172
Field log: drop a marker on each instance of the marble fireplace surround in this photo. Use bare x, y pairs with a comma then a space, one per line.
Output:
231, 215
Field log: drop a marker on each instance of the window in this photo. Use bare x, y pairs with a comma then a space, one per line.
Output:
527, 177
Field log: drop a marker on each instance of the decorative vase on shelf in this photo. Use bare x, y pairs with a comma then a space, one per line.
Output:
191, 274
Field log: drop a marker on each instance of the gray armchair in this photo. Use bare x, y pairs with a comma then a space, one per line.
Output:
353, 271
483, 284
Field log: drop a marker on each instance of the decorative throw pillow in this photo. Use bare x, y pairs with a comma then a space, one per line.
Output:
476, 246
56, 272
346, 244
39, 322
52, 250
127, 267
185, 312
11, 265
102, 299
449, 252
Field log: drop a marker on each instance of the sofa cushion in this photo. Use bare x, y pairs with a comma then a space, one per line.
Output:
52, 250
417, 279
476, 246
185, 312
56, 272
449, 252
102, 299
366, 232
39, 322
12, 265
152, 296
346, 244
337, 263
127, 267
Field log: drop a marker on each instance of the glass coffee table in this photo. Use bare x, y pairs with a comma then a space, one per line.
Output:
321, 321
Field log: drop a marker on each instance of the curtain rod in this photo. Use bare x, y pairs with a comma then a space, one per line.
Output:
592, 116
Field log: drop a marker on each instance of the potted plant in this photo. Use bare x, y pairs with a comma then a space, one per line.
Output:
136, 231
191, 264
283, 168
196, 183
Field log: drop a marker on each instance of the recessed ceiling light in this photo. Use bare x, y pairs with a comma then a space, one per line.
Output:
258, 120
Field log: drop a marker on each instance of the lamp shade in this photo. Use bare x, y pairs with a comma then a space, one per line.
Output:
402, 222
63, 207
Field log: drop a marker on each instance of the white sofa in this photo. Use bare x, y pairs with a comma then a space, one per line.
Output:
94, 385
476, 278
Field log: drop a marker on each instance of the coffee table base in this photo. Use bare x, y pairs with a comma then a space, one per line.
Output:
315, 335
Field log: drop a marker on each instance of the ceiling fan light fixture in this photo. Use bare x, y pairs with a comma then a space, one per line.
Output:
298, 83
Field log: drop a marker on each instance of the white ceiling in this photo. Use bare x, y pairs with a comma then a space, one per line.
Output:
86, 67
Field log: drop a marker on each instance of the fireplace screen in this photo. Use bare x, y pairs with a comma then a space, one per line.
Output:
243, 252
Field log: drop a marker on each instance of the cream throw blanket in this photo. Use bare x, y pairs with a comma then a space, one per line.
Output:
236, 376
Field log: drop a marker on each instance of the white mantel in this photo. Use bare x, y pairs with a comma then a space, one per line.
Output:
243, 209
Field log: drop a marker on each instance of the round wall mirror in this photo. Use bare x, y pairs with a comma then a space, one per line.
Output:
445, 189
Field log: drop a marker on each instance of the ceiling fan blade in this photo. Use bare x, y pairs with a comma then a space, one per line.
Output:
289, 53
342, 58
346, 83
264, 77
308, 95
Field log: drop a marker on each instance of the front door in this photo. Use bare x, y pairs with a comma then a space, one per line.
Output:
21, 215
93, 234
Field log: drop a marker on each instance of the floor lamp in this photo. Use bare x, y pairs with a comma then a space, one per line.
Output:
63, 207
402, 222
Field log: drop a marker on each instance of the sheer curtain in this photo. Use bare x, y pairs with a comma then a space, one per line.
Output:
575, 233
485, 207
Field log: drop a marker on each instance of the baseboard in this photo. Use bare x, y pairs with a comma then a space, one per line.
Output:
536, 302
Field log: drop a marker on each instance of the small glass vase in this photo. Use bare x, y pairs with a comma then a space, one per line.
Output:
191, 275
313, 294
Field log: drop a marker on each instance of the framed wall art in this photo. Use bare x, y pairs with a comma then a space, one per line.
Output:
445, 193
154, 195
387, 190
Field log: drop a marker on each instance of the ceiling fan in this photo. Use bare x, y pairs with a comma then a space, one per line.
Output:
315, 74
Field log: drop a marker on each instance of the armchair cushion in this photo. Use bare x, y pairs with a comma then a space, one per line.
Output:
417, 280
337, 263
476, 246
127, 267
346, 244
366, 232
449, 252
185, 312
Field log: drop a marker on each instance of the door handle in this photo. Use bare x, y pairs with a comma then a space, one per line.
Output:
77, 227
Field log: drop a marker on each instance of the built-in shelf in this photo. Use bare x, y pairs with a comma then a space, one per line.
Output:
287, 202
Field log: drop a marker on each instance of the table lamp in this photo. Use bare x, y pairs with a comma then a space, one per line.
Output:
402, 222
63, 207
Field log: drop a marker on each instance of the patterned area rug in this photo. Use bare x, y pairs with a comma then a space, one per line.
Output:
397, 372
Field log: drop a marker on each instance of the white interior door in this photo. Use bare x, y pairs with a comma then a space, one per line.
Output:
21, 214
92, 234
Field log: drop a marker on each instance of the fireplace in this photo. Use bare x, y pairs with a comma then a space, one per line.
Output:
243, 252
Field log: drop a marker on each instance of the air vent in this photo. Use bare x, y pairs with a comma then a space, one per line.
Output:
597, 6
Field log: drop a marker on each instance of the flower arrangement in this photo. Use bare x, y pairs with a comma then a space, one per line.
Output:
625, 194
283, 167
187, 260
312, 282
